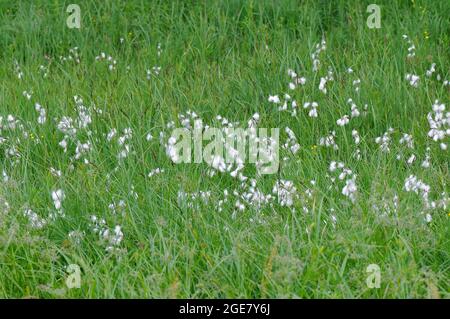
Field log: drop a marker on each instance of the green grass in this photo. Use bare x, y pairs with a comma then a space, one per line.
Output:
222, 57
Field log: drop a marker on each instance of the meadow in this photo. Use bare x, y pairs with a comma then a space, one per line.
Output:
358, 207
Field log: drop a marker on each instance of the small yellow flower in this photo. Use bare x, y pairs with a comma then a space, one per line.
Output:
426, 34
